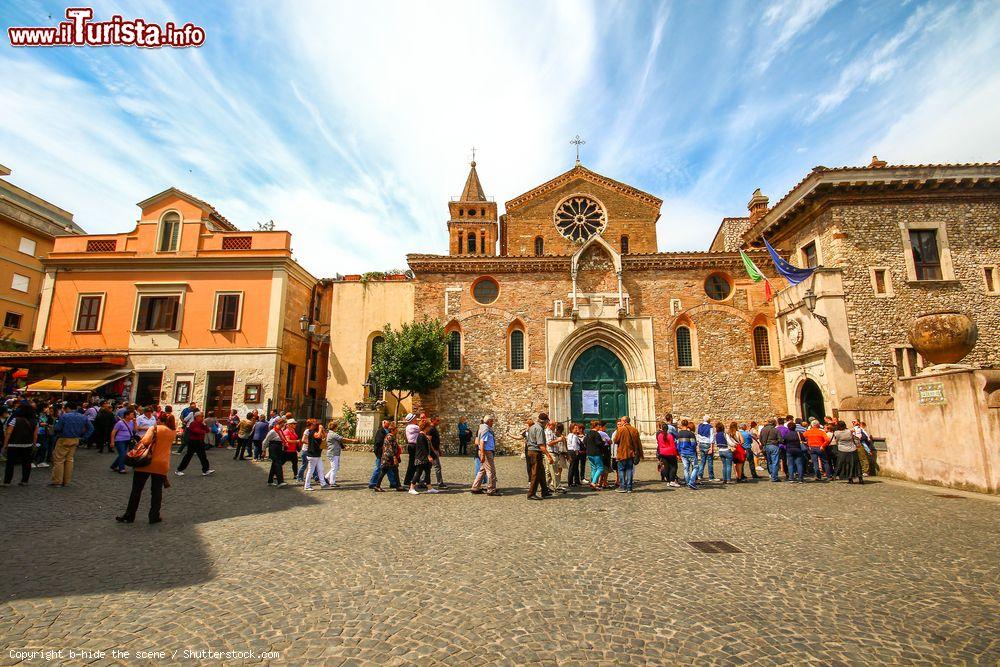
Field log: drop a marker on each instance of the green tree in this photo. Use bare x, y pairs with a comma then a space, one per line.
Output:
411, 360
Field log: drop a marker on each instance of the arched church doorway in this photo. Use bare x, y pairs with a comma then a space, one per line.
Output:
598, 390
811, 400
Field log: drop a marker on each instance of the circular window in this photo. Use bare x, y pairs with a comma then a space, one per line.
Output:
578, 218
485, 290
717, 287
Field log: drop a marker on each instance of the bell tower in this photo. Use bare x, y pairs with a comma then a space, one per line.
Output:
472, 224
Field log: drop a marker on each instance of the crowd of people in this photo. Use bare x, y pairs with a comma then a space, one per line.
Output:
41, 434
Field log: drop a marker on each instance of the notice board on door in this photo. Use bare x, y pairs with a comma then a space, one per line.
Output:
591, 402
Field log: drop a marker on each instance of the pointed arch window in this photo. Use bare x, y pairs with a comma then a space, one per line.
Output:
539, 246
624, 244
761, 346
517, 350
170, 232
685, 352
455, 351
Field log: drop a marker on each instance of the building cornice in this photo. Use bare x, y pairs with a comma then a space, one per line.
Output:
123, 261
579, 171
901, 183
661, 260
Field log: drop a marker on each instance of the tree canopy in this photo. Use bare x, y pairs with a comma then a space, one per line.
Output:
411, 360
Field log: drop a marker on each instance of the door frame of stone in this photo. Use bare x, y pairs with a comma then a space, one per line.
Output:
640, 380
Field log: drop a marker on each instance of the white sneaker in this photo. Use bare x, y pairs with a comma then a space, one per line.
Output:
283, 484
414, 492
43, 465
307, 488
431, 490
178, 473
207, 473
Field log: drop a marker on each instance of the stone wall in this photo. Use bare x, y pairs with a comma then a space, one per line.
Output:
859, 236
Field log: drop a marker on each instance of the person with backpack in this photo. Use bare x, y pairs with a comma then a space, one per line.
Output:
123, 437
593, 444
687, 448
666, 453
20, 439
274, 445
770, 440
705, 436
794, 452
817, 439
721, 444
46, 437
391, 454
735, 441
161, 439
848, 462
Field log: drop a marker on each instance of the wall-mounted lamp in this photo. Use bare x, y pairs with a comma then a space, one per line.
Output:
809, 299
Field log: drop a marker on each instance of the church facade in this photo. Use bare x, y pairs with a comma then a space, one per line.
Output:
574, 312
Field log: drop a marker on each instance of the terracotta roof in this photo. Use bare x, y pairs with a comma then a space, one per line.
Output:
213, 213
579, 171
473, 190
886, 173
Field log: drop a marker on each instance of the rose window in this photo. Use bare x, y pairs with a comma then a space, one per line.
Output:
579, 218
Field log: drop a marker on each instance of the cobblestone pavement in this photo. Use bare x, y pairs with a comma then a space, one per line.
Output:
829, 574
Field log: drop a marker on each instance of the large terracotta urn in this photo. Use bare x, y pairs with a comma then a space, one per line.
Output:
943, 338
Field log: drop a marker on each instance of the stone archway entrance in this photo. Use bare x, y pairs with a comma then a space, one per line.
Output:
811, 400
598, 387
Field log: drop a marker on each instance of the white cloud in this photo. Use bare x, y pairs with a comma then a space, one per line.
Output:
786, 20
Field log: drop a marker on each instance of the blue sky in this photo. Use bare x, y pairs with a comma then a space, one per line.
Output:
350, 124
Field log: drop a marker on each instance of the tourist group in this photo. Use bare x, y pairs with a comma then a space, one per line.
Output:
39, 434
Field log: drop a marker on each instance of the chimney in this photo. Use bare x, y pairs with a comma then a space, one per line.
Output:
876, 163
757, 206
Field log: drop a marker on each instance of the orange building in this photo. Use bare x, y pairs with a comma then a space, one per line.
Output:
185, 307
28, 227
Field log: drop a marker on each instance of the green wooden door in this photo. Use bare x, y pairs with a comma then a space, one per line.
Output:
598, 370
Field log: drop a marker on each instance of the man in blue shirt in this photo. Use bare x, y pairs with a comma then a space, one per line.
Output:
260, 429
71, 427
487, 447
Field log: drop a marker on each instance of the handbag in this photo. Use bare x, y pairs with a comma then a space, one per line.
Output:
142, 454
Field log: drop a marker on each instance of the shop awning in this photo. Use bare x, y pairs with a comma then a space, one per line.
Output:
78, 381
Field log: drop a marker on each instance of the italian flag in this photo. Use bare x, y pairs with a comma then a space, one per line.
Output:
756, 275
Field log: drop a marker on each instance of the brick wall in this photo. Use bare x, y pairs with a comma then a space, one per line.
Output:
626, 215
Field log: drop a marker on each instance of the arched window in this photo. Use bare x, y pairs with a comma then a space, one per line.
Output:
454, 351
685, 356
376, 391
517, 350
472, 243
624, 244
539, 246
170, 232
761, 346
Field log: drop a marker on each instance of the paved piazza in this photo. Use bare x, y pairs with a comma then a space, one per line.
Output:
830, 574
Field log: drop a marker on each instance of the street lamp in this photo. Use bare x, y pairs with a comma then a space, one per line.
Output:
303, 323
809, 299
